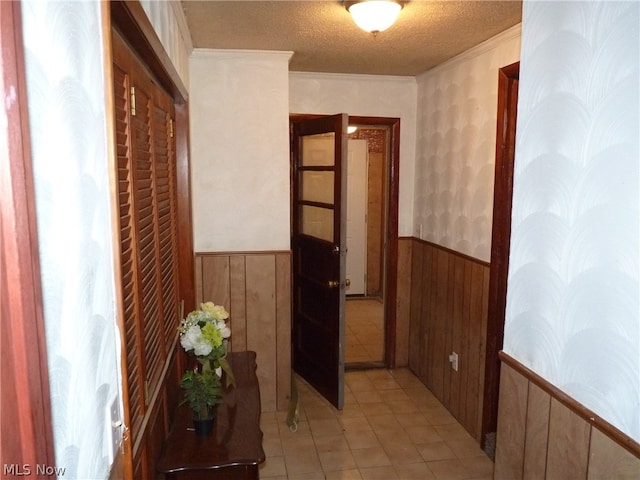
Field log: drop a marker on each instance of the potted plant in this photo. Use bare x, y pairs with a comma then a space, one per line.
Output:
204, 335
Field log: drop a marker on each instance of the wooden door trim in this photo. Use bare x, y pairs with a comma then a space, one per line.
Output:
132, 23
27, 431
391, 233
500, 242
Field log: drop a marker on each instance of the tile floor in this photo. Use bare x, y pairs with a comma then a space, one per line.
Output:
392, 427
364, 334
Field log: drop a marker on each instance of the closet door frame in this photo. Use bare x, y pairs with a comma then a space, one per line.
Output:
131, 22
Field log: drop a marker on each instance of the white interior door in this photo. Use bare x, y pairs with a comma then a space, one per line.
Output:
357, 217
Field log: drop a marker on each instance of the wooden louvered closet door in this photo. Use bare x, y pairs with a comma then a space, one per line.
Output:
148, 243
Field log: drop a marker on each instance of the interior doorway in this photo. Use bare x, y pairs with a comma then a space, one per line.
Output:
367, 187
382, 276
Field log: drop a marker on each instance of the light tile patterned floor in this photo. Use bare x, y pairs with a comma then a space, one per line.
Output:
392, 427
364, 324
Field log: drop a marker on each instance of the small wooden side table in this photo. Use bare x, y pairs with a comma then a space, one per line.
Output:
234, 448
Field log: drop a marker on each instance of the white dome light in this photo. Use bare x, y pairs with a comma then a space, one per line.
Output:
375, 15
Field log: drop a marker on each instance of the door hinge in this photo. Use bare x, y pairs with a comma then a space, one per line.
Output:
133, 101
171, 128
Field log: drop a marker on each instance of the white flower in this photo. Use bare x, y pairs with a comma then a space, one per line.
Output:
225, 331
193, 339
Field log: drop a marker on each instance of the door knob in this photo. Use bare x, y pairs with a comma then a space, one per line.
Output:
333, 283
347, 282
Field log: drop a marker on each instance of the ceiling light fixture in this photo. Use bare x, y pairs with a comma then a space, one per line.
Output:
374, 15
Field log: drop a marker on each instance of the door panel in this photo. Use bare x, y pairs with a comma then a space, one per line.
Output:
318, 244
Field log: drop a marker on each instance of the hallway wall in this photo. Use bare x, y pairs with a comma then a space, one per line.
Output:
239, 119
255, 287
448, 313
573, 302
67, 115
570, 385
456, 146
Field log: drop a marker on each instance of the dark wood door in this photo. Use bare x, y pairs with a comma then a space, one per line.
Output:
319, 149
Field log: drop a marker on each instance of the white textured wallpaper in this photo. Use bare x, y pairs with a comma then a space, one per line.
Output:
65, 85
573, 292
366, 96
239, 121
457, 105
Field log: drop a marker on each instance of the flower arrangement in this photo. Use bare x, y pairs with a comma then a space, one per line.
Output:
204, 335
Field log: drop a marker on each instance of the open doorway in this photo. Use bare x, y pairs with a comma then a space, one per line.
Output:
367, 186
382, 285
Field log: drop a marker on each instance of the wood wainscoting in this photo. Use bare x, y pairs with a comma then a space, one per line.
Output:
403, 301
543, 433
255, 287
448, 313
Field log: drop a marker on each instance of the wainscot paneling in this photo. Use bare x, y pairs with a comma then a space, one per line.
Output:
403, 302
255, 288
448, 313
543, 433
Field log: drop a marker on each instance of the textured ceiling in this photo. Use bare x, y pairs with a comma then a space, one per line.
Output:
324, 38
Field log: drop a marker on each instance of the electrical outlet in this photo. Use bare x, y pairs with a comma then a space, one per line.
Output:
453, 359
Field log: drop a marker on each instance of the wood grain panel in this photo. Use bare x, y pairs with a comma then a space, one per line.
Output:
514, 389
403, 304
608, 460
238, 302
456, 386
537, 431
563, 439
256, 288
482, 354
568, 448
448, 313
473, 354
426, 320
375, 223
215, 281
463, 367
197, 281
283, 330
261, 323
415, 308
438, 333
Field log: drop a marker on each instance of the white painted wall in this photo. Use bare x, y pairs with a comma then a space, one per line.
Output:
366, 96
66, 93
170, 24
240, 150
457, 105
573, 307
